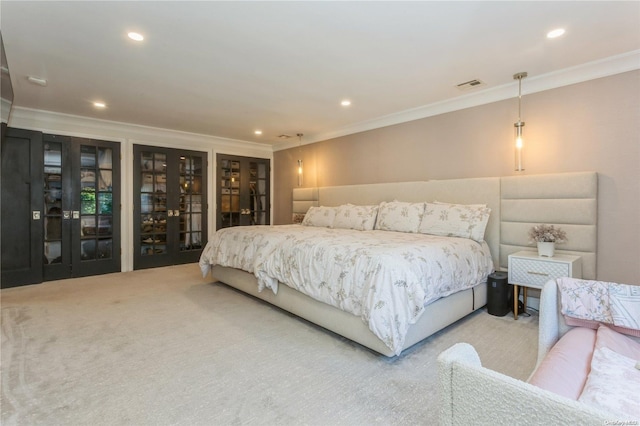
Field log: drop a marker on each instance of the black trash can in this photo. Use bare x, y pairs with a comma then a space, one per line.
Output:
498, 294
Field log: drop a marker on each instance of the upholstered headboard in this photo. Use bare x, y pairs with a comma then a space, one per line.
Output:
568, 200
461, 191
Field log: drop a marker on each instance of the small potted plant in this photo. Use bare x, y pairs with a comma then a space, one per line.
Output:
546, 237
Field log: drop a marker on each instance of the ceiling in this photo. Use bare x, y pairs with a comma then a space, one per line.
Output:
227, 69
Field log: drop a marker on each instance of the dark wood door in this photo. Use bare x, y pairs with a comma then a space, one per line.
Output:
58, 204
60, 207
21, 214
170, 208
96, 211
81, 207
243, 191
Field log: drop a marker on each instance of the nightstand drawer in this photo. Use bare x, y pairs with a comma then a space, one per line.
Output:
535, 272
528, 269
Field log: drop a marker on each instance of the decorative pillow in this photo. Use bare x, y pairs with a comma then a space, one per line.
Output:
617, 342
399, 216
578, 322
587, 303
361, 218
319, 216
455, 220
297, 218
613, 384
565, 368
625, 305
585, 299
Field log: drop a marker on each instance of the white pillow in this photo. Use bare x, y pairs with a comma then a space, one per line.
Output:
455, 220
319, 216
613, 384
361, 218
399, 216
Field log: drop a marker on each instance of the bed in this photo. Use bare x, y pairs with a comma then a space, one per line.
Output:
278, 264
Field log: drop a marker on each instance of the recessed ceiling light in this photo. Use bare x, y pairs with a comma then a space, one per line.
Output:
99, 105
135, 36
555, 33
345, 102
258, 132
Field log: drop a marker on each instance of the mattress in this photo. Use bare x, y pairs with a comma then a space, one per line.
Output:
385, 278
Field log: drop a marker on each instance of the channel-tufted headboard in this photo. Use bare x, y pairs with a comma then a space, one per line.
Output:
568, 200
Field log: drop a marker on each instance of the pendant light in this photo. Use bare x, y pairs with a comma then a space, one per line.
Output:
300, 159
520, 124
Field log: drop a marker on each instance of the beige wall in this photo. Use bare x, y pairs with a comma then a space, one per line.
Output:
591, 126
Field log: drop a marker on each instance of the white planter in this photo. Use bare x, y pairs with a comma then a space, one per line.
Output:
546, 249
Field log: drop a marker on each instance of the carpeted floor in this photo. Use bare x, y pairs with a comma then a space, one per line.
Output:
165, 346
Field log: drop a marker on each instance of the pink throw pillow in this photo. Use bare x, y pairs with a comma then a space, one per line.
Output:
608, 338
565, 368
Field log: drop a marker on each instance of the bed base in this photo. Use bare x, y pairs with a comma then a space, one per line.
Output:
436, 316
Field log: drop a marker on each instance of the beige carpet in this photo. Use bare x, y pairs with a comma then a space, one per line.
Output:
165, 346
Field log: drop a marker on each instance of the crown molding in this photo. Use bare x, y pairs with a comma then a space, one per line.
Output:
73, 125
618, 64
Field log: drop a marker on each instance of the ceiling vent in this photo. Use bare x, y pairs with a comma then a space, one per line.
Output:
37, 80
470, 84
284, 136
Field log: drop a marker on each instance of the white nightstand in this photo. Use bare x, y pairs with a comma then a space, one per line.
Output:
527, 269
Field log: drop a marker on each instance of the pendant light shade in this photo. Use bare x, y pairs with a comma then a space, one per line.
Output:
300, 168
519, 142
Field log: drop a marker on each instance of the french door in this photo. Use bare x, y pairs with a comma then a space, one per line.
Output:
243, 191
81, 215
170, 206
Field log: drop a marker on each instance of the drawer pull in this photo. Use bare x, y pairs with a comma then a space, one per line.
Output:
538, 273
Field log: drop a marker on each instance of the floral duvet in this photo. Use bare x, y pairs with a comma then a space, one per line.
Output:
384, 277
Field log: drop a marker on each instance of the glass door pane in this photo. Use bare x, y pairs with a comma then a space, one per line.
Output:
96, 203
258, 192
230, 193
53, 203
191, 195
153, 204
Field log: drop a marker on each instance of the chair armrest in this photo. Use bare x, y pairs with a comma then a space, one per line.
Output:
549, 320
472, 394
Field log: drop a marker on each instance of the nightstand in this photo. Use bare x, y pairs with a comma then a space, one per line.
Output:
527, 269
